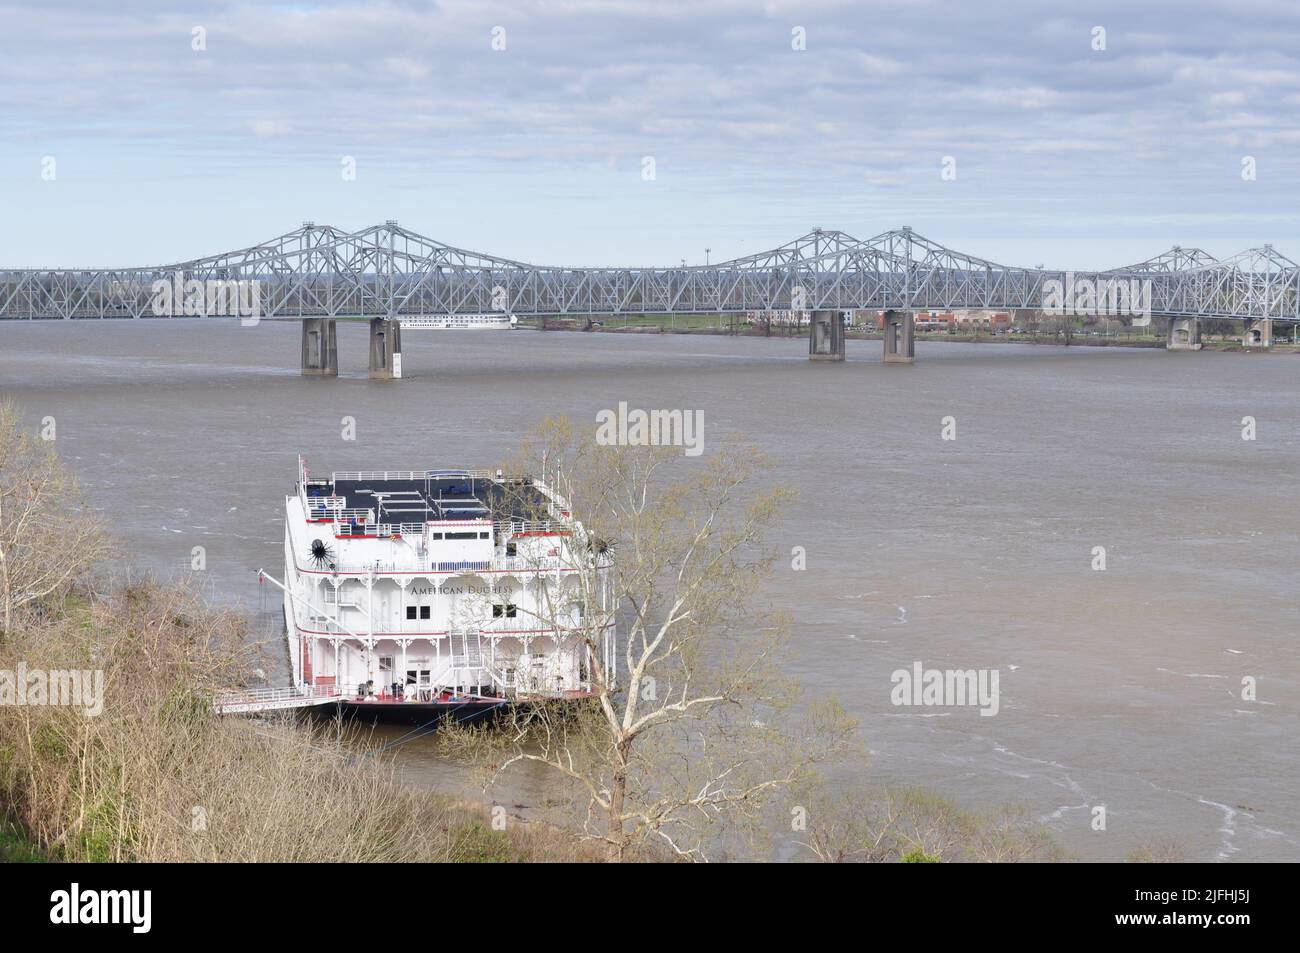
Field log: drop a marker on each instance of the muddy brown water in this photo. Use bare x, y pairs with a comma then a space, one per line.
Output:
1119, 688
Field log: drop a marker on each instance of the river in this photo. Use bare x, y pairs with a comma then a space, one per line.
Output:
1120, 688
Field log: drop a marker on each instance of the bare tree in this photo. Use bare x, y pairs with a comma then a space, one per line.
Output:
912, 824
47, 535
683, 740
1158, 850
1065, 328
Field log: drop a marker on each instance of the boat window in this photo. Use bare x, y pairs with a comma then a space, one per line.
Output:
410, 612
424, 612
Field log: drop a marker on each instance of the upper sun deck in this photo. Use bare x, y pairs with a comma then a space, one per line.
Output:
430, 496
439, 520
393, 498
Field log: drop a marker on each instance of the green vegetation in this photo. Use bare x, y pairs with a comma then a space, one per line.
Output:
155, 775
1157, 851
918, 856
15, 847
158, 777
695, 557
681, 322
675, 323
914, 826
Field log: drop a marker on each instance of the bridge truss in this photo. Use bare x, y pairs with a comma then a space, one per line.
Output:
386, 270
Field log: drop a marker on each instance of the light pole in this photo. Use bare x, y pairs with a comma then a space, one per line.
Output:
672, 318
706, 264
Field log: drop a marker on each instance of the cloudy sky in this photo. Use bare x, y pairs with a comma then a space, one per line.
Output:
1061, 153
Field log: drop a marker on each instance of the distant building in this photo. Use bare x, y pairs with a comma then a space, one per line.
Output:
952, 321
777, 318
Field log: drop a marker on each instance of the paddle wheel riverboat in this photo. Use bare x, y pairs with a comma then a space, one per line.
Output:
410, 593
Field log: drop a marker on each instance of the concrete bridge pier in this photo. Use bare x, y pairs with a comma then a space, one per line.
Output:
385, 349
320, 349
826, 336
1184, 334
900, 337
1258, 333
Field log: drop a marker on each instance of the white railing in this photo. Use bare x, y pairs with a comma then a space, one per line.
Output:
516, 563
377, 529
462, 565
332, 507
473, 659
500, 563
322, 507
503, 527
555, 501
364, 522
275, 699
362, 476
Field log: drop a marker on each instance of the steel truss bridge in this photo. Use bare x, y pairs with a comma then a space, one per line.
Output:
389, 271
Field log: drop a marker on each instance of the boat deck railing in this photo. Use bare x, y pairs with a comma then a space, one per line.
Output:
353, 523
348, 530
275, 699
370, 476
514, 527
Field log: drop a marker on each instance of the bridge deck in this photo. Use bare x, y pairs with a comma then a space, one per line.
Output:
388, 271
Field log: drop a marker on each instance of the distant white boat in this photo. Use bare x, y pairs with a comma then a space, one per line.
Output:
452, 322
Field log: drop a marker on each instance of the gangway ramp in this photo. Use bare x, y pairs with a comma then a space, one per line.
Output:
275, 699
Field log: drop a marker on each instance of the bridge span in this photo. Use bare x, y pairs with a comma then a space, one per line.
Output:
318, 274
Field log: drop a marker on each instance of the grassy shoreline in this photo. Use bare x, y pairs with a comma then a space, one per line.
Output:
158, 777
16, 846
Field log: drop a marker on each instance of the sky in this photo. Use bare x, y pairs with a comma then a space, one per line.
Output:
1071, 135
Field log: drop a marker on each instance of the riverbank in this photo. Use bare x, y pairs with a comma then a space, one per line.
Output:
157, 777
710, 325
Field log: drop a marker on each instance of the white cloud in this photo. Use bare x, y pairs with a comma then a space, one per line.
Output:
1036, 118
271, 127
